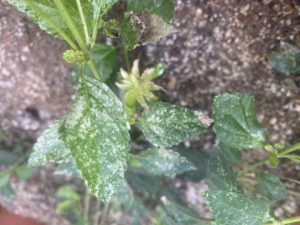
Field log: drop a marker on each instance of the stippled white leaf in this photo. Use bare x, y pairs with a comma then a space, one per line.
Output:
161, 162
49, 148
96, 131
166, 125
237, 209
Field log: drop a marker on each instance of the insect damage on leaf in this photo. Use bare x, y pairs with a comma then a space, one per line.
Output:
150, 27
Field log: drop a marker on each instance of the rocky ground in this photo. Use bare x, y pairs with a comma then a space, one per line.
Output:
221, 46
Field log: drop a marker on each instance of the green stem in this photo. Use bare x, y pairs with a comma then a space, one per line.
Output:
125, 50
13, 167
95, 28
286, 221
35, 8
83, 21
253, 167
72, 26
290, 149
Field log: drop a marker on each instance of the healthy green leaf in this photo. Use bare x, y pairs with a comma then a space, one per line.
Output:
24, 172
129, 33
4, 179
7, 157
144, 182
219, 174
233, 156
166, 125
198, 159
237, 209
163, 8
105, 57
8, 192
49, 148
271, 187
96, 131
161, 162
235, 124
286, 62
174, 214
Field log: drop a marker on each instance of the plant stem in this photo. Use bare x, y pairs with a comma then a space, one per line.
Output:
125, 50
289, 149
82, 18
95, 28
14, 166
72, 26
253, 167
286, 221
65, 14
94, 69
35, 8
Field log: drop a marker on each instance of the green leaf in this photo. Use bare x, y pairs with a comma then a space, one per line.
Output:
4, 179
129, 33
163, 8
237, 209
49, 148
233, 156
67, 193
8, 192
166, 125
235, 124
144, 182
7, 158
90, 10
219, 173
174, 214
105, 58
198, 159
96, 131
271, 187
161, 162
24, 172
286, 62
68, 169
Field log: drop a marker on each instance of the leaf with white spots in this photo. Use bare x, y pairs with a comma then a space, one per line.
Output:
93, 11
166, 125
271, 187
161, 162
237, 209
235, 121
96, 131
219, 173
49, 148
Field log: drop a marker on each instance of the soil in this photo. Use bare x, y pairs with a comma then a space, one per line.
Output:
221, 46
